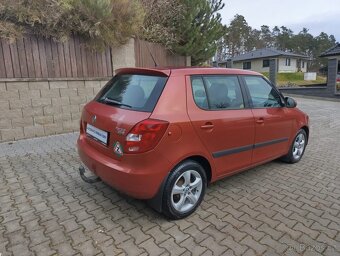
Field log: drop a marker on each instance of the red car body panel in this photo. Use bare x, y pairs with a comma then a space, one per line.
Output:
191, 132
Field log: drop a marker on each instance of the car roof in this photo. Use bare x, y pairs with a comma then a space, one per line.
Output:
187, 71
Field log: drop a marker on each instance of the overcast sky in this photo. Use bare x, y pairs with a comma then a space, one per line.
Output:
316, 15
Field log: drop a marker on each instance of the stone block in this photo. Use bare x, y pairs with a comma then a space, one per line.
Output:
69, 92
32, 111
96, 90
103, 83
43, 120
58, 84
92, 84
29, 94
81, 106
10, 114
34, 131
12, 134
14, 86
71, 109
23, 103
63, 101
3, 87
4, 104
51, 93
22, 122
5, 95
79, 100
53, 129
89, 98
5, 123
61, 117
76, 84
70, 126
41, 102
86, 91
51, 110
38, 85
76, 116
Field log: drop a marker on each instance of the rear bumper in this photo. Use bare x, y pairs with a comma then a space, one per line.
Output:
139, 176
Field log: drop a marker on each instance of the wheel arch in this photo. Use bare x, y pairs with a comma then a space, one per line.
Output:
157, 201
204, 163
306, 129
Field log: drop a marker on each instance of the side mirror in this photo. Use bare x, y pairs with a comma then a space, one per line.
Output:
290, 102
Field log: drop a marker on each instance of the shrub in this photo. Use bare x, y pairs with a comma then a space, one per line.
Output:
99, 22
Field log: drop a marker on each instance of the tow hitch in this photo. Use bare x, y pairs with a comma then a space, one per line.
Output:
91, 179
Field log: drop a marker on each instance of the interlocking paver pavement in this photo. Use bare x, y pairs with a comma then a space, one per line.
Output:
274, 209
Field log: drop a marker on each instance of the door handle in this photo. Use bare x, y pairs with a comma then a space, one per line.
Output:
207, 126
260, 120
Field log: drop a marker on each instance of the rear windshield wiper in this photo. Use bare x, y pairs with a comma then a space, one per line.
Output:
115, 102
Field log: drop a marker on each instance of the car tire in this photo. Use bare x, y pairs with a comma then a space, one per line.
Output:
297, 149
184, 190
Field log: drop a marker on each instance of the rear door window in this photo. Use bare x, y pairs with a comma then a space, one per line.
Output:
217, 92
133, 91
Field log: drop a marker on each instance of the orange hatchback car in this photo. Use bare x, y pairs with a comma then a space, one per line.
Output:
165, 134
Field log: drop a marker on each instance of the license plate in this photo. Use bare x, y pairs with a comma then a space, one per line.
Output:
97, 134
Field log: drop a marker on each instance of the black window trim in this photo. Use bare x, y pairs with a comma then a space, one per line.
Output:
247, 93
243, 93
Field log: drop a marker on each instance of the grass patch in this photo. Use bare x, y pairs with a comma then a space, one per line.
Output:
297, 78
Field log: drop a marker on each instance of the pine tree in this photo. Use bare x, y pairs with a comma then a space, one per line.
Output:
199, 30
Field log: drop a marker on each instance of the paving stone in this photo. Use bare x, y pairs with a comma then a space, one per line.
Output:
274, 209
237, 248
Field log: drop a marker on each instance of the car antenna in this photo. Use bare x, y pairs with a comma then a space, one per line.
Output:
154, 61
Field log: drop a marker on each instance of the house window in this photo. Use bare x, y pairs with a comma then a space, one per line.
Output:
265, 63
247, 65
287, 61
303, 64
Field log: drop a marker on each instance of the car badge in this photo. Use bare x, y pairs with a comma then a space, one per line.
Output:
94, 118
120, 131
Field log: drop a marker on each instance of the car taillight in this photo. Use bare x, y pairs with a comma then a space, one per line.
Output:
145, 135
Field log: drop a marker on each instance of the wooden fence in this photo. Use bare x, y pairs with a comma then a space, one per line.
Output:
162, 56
33, 57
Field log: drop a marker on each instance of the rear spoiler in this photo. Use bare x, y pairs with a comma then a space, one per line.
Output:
145, 71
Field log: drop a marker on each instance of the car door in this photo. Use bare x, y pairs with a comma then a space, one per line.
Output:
221, 120
273, 125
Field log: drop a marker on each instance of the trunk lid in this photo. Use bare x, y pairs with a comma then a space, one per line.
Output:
126, 100
115, 121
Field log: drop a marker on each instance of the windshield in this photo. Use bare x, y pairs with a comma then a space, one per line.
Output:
132, 91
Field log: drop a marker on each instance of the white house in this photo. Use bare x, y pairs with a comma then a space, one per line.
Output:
258, 60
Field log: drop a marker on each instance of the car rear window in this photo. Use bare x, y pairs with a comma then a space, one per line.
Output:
133, 91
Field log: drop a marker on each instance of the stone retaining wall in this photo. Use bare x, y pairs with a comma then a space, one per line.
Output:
38, 108
314, 91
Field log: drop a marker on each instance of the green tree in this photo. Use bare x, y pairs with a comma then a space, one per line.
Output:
322, 43
199, 30
284, 39
266, 37
304, 43
237, 34
253, 41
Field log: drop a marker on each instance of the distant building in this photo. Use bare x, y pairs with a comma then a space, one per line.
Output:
258, 60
